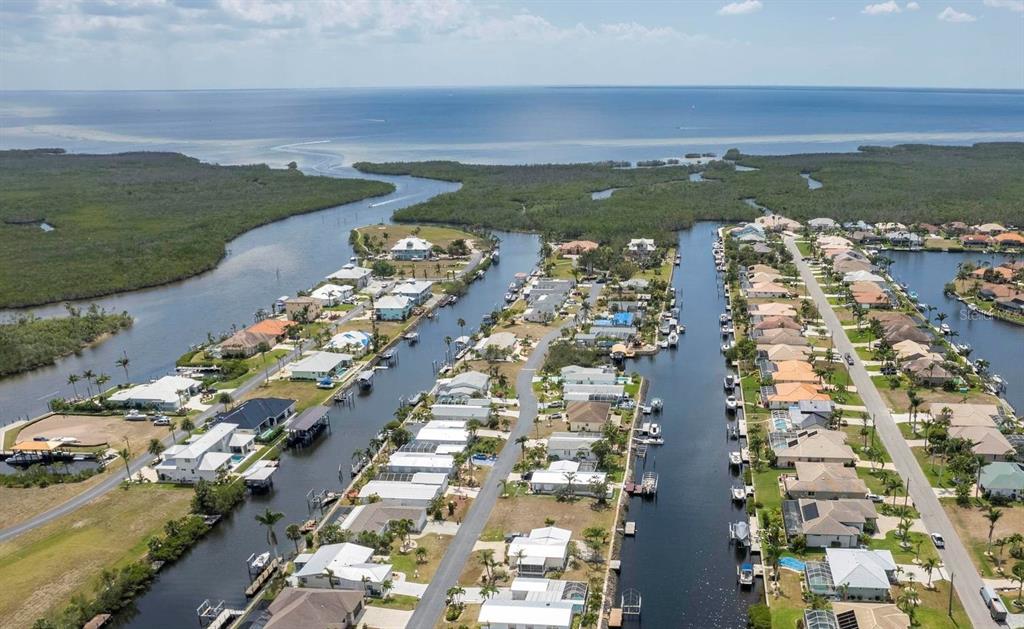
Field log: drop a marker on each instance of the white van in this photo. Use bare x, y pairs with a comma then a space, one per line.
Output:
995, 604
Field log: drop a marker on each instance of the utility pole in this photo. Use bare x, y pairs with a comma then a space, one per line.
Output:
949, 608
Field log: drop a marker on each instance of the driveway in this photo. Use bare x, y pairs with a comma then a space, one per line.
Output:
955, 557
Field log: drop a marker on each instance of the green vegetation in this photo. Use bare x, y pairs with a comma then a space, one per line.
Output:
29, 342
909, 183
132, 220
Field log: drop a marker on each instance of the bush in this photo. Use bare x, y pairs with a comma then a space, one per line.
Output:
759, 617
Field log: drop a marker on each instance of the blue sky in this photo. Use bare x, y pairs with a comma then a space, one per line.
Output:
195, 44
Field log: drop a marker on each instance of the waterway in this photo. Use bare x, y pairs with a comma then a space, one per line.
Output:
680, 560
215, 568
999, 342
812, 183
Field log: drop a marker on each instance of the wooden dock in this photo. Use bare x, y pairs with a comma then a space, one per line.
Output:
262, 578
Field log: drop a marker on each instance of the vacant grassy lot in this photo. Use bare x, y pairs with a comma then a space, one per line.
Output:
304, 392
41, 569
386, 236
132, 220
20, 504
788, 607
436, 546
971, 524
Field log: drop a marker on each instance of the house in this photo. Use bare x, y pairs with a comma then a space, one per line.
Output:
781, 336
418, 291
259, 414
822, 224
376, 288
989, 444
618, 332
847, 266
1009, 239
998, 274
401, 493
540, 590
927, 370
824, 481
243, 344
1013, 305
776, 322
956, 227
376, 516
989, 228
352, 275
593, 392
468, 384
439, 432
870, 297
779, 352
576, 247
303, 309
766, 290
1004, 479
811, 446
772, 309
573, 446
348, 566
777, 223
298, 608
168, 393
988, 415
869, 616
588, 416
792, 371
353, 342
858, 225
903, 238
975, 240
641, 249
863, 575
829, 523
463, 411
991, 291
863, 276
810, 413
411, 248
413, 462
319, 365
763, 277
543, 550
505, 614
503, 342
910, 350
204, 456
749, 232
393, 308
563, 475
331, 294
574, 374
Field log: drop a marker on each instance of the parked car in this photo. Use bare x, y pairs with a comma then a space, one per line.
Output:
162, 421
849, 359
556, 404
876, 498
938, 540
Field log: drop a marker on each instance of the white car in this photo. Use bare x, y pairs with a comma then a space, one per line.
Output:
938, 540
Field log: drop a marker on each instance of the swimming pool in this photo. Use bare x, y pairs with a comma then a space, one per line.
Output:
792, 563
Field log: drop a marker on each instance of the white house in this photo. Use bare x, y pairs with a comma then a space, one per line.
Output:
348, 566
562, 474
468, 384
401, 492
319, 365
506, 614
572, 446
437, 432
411, 248
352, 341
464, 412
866, 573
543, 550
204, 456
593, 392
641, 248
357, 276
331, 294
419, 291
574, 374
412, 462
393, 308
169, 393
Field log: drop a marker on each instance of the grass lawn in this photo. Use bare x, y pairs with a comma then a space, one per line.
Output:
863, 335
255, 364
936, 474
304, 392
873, 479
41, 569
766, 487
436, 546
931, 613
972, 527
392, 233
856, 440
943, 243
751, 386
892, 544
787, 608
804, 247
561, 268
395, 601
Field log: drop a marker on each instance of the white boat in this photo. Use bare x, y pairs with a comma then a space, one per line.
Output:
735, 458
650, 429
972, 307
739, 493
739, 532
945, 329
731, 403
260, 561
745, 574
729, 382
725, 317
726, 347
510, 297
646, 409
657, 405
412, 337
134, 416
681, 329
663, 343
673, 339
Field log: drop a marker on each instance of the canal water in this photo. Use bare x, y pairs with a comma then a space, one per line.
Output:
999, 342
680, 560
215, 568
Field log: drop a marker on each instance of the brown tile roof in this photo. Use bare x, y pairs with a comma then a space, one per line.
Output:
588, 412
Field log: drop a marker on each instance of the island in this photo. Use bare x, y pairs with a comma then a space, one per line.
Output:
113, 223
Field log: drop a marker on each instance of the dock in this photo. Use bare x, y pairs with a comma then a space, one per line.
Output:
259, 477
308, 425
630, 529
262, 578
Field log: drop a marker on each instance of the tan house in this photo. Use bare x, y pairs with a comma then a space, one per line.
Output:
786, 394
772, 309
794, 371
588, 416
812, 446
824, 481
776, 322
314, 607
245, 343
989, 443
779, 352
303, 308
576, 247
781, 336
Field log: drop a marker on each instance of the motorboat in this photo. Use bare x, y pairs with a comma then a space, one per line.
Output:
678, 260
735, 458
726, 347
650, 429
739, 532
657, 405
260, 561
729, 382
725, 317
673, 339
739, 493
412, 337
681, 329
745, 574
734, 432
646, 409
731, 403
135, 416
663, 343
972, 307
510, 297
325, 383
945, 329
999, 382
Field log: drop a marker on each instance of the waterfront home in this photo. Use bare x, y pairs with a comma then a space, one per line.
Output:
975, 240
576, 247
781, 336
439, 432
779, 352
344, 566
413, 462
791, 371
242, 344
990, 291
847, 265
749, 232
763, 277
829, 523
868, 615
911, 350
1009, 239
541, 590
772, 309
997, 274
962, 414
785, 394
988, 443
822, 223
352, 275
411, 248
838, 243
303, 309
503, 342
777, 223
767, 290
593, 392
862, 575
775, 323
956, 227
1003, 479
988, 228
824, 481
295, 608
468, 384
865, 237
891, 226
803, 416
870, 297
169, 393
500, 613
259, 414
1013, 305
588, 416
574, 374
331, 294
418, 291
202, 456
543, 308
862, 276
616, 332
377, 516
754, 269
573, 446
858, 225
377, 288
393, 308
903, 238
641, 250
464, 411
543, 550
400, 492
562, 475
585, 339
811, 446
355, 342
928, 371
319, 365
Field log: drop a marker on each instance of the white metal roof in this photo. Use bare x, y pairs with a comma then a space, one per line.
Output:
527, 613
320, 362
164, 390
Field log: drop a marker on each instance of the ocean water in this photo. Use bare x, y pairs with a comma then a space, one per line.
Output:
520, 125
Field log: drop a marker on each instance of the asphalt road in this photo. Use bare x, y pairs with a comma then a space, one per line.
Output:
955, 557
115, 479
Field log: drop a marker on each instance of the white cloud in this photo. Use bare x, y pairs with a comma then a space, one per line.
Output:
1013, 5
913, 6
741, 8
882, 8
949, 14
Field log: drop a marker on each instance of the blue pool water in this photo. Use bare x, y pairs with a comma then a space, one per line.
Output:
792, 563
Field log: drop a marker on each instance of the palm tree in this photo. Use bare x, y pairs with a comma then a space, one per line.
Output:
454, 594
294, 533
1017, 574
269, 519
73, 381
126, 456
122, 362
522, 440
101, 380
188, 425
462, 324
487, 560
488, 591
330, 577
421, 554
385, 588
930, 564
88, 374
992, 515
170, 427
155, 447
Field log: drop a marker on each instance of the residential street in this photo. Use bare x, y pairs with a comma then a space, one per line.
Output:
955, 556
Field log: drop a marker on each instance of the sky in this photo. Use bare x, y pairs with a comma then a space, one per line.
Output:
223, 44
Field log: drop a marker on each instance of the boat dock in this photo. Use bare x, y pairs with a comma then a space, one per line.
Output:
647, 486
308, 425
262, 578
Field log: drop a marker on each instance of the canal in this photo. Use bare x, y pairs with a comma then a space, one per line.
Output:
997, 341
681, 561
215, 568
